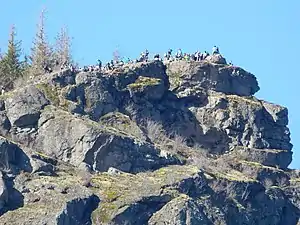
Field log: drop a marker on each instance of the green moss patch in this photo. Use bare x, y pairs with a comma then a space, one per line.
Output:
116, 191
50, 92
144, 81
259, 165
53, 94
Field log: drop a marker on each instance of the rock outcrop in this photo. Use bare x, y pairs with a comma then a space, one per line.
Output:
23, 107
177, 142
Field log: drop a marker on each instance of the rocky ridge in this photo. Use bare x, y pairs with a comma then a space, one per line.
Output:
147, 143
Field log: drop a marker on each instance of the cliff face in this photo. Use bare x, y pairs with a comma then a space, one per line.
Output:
148, 143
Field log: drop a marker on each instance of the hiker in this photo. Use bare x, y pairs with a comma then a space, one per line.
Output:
121, 63
186, 57
205, 55
215, 50
108, 66
85, 69
197, 56
146, 55
179, 54
169, 54
99, 64
193, 57
142, 56
156, 57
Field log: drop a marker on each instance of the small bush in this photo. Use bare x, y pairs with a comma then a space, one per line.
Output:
156, 133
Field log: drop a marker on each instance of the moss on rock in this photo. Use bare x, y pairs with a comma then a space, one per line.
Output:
144, 81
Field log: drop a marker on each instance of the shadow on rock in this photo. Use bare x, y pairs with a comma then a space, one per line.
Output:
15, 198
12, 158
78, 211
142, 210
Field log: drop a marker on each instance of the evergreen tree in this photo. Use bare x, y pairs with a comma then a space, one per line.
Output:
63, 48
40, 53
11, 67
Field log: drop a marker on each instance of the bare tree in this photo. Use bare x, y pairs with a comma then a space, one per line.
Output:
156, 133
63, 48
41, 51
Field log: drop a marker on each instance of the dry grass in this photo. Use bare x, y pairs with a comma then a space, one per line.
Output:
156, 133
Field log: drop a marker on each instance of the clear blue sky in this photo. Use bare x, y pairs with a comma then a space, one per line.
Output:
262, 36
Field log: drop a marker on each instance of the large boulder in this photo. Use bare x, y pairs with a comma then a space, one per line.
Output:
60, 200
78, 211
12, 158
94, 94
204, 75
216, 58
124, 124
246, 121
24, 106
42, 165
62, 78
147, 88
130, 73
180, 211
268, 157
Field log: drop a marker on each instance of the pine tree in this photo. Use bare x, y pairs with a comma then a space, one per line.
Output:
41, 52
63, 48
11, 67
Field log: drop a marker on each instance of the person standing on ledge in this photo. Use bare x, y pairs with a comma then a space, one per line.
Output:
215, 50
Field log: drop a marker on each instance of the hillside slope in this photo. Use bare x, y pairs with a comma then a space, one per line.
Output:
147, 143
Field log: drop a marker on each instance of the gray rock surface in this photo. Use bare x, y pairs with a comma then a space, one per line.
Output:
23, 108
78, 211
41, 167
203, 75
48, 200
180, 211
81, 140
216, 58
146, 143
95, 94
147, 88
12, 158
246, 121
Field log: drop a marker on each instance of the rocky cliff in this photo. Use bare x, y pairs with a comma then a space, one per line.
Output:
147, 143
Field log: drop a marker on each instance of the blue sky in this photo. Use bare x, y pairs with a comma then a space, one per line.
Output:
260, 36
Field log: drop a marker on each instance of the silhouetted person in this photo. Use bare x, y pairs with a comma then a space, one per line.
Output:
215, 50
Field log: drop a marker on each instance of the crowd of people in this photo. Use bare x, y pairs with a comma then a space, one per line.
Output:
144, 57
